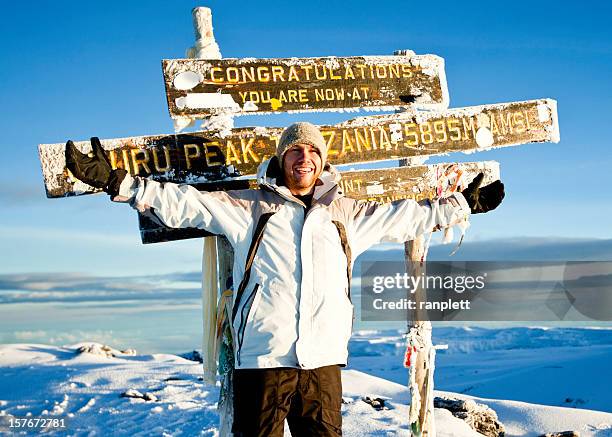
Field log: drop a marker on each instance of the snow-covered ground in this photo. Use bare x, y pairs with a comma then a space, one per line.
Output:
537, 380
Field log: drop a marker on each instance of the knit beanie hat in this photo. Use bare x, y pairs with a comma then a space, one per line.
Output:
301, 133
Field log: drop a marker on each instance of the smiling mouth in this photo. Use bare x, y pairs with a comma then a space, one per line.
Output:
303, 170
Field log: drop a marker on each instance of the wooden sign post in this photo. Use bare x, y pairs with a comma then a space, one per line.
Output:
208, 87
217, 253
256, 86
201, 157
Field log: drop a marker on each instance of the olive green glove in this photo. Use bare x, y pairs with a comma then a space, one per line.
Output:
96, 170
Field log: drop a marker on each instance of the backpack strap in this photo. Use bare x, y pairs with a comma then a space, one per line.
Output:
347, 252
257, 236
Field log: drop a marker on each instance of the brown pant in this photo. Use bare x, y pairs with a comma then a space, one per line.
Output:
310, 400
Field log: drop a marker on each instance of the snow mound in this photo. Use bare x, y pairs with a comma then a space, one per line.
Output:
125, 394
103, 350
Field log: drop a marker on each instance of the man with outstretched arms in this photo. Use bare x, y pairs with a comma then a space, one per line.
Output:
294, 242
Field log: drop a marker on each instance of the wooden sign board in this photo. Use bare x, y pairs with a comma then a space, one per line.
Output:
198, 88
381, 185
205, 156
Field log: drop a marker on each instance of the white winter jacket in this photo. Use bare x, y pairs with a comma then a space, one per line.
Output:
295, 309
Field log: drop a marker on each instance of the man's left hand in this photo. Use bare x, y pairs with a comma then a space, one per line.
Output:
483, 199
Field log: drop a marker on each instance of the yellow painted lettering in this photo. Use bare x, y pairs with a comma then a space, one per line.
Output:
454, 129
410, 134
137, 162
248, 74
278, 72
126, 161
192, 151
329, 136
263, 74
468, 126
231, 155
113, 159
440, 130
494, 125
320, 72
348, 73
158, 167
247, 149
293, 74
361, 68
406, 71
519, 122
506, 123
385, 142
292, 95
374, 139
381, 72
212, 154
303, 96
394, 71
527, 121
426, 135
319, 95
347, 143
253, 96
332, 75
307, 69
281, 96
213, 75
362, 140
232, 75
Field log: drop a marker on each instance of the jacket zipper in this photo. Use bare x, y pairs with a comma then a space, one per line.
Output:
243, 320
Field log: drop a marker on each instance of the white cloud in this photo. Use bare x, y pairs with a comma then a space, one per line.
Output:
30, 335
67, 337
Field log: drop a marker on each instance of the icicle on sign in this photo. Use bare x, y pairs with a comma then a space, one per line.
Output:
204, 156
201, 87
380, 185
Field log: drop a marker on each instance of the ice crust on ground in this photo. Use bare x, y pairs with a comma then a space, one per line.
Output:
529, 366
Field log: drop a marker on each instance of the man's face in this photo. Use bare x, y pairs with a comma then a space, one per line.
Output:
301, 167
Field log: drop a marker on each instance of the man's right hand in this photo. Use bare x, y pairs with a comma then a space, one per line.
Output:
95, 170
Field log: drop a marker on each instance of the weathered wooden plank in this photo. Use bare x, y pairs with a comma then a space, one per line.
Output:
199, 88
382, 185
206, 156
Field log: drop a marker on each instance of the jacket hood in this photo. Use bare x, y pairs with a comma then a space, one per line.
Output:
327, 182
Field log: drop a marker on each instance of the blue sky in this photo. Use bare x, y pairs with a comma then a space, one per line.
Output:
75, 69
75, 268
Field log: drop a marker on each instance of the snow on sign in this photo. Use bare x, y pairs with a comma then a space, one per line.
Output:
203, 87
208, 156
381, 185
